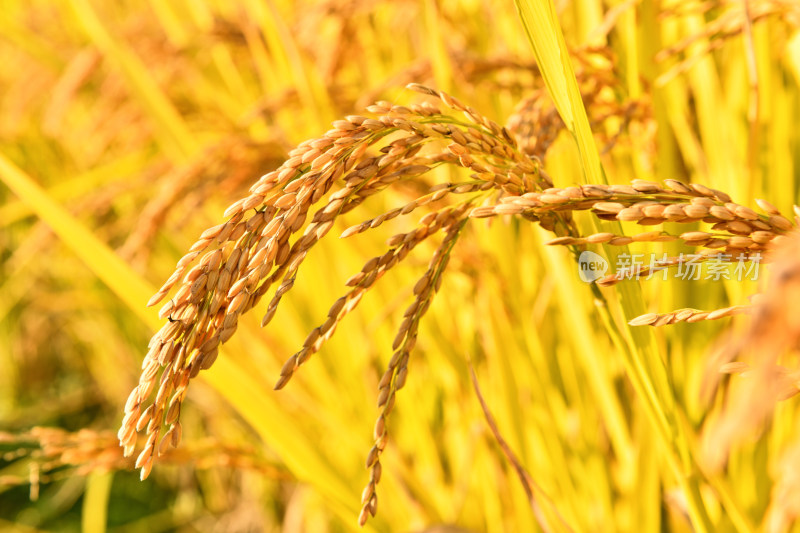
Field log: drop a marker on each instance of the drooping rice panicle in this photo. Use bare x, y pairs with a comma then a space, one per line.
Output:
394, 377
268, 234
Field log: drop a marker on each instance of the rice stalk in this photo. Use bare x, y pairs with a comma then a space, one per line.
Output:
246, 107
269, 233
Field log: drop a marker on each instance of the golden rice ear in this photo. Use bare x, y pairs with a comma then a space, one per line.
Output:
269, 233
122, 126
253, 253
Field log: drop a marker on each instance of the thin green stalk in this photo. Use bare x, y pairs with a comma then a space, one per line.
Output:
643, 364
544, 32
95, 502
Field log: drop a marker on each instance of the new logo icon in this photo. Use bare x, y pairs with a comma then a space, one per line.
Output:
592, 266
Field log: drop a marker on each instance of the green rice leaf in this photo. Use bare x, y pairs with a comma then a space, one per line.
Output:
552, 55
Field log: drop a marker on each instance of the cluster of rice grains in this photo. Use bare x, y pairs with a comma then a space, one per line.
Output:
536, 121
737, 233
269, 233
53, 454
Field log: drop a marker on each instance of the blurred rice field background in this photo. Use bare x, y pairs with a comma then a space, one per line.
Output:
127, 128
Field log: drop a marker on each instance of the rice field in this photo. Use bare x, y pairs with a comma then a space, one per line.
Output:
413, 266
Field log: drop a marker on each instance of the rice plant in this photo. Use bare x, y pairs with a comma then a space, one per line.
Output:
486, 183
